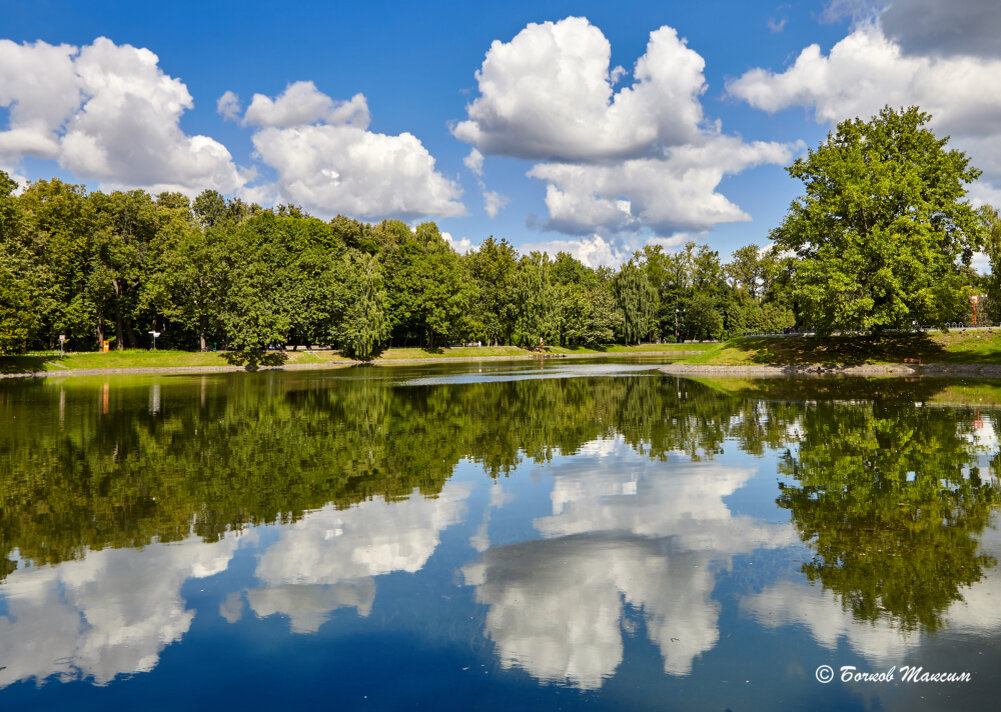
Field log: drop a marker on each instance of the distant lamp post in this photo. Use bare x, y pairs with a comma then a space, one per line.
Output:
155, 334
62, 340
677, 330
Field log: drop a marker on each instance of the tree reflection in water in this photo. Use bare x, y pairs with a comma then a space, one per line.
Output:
891, 498
893, 503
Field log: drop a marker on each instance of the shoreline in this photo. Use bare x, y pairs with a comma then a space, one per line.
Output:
964, 370
323, 366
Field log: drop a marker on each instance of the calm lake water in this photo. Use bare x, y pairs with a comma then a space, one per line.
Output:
501, 536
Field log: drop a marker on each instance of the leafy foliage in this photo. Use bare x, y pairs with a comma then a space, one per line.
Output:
882, 233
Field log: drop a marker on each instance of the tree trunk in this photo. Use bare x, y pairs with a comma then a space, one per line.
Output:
119, 335
130, 334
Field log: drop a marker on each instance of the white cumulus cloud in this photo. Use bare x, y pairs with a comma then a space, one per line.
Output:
474, 162
867, 70
670, 194
597, 251
593, 251
463, 245
328, 162
493, 202
228, 106
106, 112
548, 93
641, 157
302, 103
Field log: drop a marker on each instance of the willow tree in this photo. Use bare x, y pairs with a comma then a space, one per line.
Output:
637, 299
364, 323
883, 235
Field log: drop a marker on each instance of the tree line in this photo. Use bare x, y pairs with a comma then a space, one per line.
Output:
882, 239
218, 273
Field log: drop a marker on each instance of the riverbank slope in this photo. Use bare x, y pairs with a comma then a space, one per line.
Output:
167, 362
966, 347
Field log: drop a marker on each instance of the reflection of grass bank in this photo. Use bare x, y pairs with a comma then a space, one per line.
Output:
984, 393
136, 359
955, 347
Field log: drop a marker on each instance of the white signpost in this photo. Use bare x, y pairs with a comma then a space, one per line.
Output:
62, 340
155, 334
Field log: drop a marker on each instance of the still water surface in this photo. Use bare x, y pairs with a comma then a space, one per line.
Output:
500, 536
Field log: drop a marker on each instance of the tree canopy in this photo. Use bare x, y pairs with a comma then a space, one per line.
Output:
218, 273
883, 235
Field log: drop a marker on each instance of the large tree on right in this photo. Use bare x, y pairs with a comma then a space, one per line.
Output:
883, 235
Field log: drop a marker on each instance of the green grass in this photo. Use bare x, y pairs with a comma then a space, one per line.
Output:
140, 359
453, 352
619, 349
135, 358
480, 351
955, 347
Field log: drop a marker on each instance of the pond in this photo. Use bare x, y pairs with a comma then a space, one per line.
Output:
524, 535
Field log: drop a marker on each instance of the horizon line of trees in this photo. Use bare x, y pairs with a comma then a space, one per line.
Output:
217, 273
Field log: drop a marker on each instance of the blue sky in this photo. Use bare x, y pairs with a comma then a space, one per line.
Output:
375, 109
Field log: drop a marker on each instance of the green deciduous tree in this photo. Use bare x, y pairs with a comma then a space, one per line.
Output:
702, 320
883, 231
744, 270
57, 238
18, 319
493, 267
429, 290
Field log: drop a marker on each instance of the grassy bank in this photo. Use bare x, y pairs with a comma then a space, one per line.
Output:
639, 348
495, 351
130, 359
955, 347
151, 359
